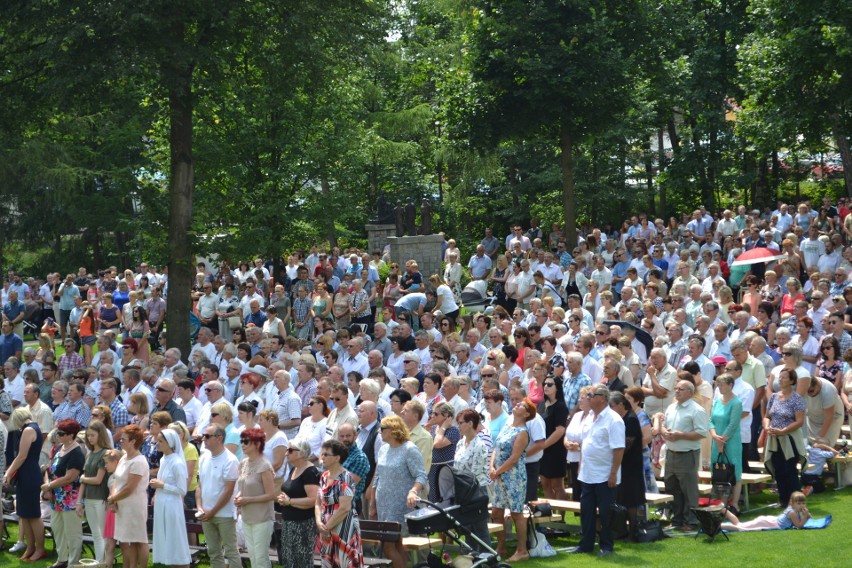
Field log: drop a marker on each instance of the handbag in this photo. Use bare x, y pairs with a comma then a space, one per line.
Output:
649, 531
537, 544
235, 322
618, 521
723, 471
541, 509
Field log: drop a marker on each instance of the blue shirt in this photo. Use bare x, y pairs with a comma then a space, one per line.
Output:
564, 259
620, 270
12, 311
10, 345
411, 302
479, 267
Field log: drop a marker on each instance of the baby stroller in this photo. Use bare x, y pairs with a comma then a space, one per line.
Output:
474, 296
463, 504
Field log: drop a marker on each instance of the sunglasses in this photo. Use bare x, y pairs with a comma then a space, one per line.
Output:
549, 384
161, 389
61, 433
291, 450
214, 414
208, 436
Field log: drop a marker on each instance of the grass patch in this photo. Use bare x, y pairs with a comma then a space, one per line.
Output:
785, 548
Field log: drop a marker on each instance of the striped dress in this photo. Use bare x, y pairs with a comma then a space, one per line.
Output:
343, 549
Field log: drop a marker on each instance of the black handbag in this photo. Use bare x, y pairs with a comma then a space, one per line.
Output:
618, 521
723, 471
649, 531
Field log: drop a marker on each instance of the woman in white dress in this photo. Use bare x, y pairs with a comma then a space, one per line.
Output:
312, 428
171, 546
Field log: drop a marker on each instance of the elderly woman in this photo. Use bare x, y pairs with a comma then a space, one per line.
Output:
25, 470
791, 359
574, 438
631, 490
340, 307
297, 500
62, 483
400, 477
129, 500
255, 495
359, 304
785, 441
312, 428
221, 414
809, 343
275, 443
170, 544
824, 412
636, 397
337, 522
510, 476
724, 423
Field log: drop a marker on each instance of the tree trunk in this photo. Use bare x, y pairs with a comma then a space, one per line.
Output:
325, 187
674, 138
566, 144
663, 162
177, 76
845, 155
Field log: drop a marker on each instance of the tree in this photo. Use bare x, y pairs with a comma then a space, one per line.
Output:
796, 66
559, 68
64, 53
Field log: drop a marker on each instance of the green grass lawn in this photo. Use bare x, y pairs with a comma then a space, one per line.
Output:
782, 548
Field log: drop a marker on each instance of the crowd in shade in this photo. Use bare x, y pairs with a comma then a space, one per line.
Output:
321, 393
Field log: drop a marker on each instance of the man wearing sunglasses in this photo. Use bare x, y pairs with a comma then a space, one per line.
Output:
215, 392
218, 470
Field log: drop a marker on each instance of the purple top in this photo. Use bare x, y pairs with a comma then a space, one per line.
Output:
782, 413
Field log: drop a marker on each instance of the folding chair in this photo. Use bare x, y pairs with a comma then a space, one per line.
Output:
710, 518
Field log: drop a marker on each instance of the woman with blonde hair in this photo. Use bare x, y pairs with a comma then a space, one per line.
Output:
129, 500
399, 479
25, 469
45, 345
137, 407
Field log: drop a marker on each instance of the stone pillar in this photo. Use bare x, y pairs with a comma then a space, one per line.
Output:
377, 237
425, 249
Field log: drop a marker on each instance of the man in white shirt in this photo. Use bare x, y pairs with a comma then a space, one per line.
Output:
600, 471
205, 344
659, 382
30, 362
288, 405
602, 275
215, 393
207, 304
354, 359
218, 470
188, 402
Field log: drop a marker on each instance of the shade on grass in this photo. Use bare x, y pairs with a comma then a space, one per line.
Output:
824, 548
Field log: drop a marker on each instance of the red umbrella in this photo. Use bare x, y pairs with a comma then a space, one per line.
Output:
756, 255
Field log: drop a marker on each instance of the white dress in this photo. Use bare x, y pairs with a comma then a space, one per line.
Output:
170, 542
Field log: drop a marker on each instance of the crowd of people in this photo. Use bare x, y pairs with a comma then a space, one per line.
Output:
330, 394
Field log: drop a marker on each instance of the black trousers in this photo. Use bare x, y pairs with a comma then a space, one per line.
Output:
597, 499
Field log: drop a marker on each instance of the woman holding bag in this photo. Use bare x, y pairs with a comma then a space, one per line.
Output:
725, 418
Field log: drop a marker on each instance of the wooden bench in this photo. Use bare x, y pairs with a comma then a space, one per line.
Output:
703, 488
650, 498
747, 479
377, 532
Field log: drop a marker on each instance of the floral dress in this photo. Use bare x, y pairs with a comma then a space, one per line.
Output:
343, 549
65, 497
510, 489
828, 373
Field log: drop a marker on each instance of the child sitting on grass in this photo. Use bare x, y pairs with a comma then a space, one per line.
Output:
794, 516
818, 455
